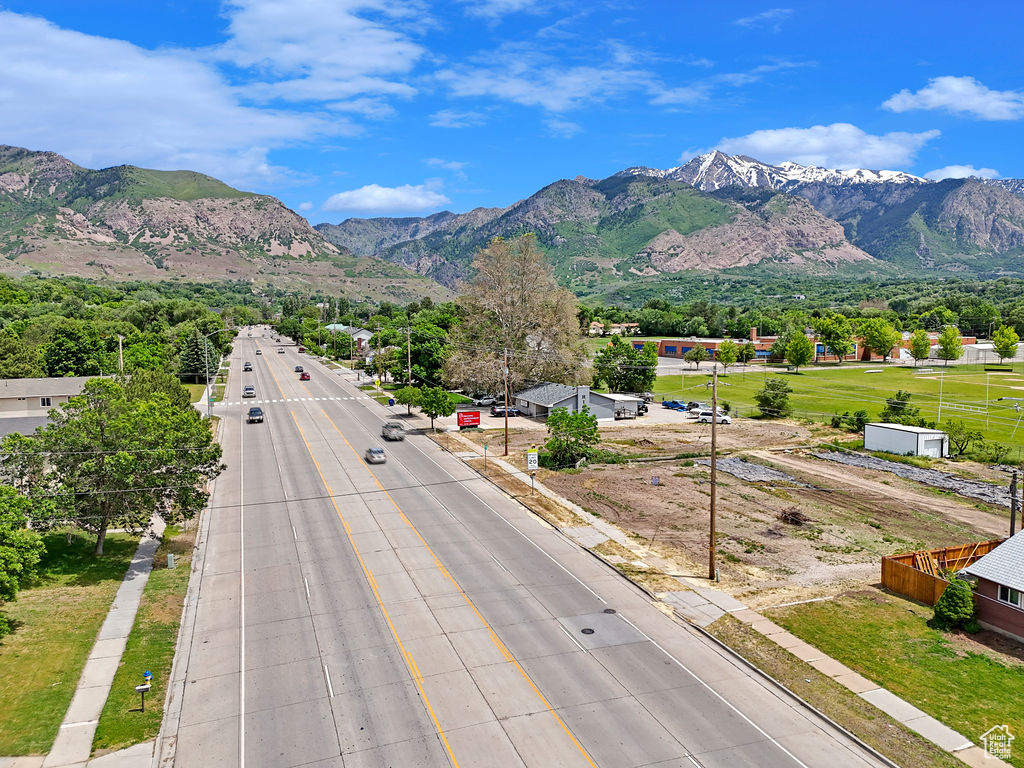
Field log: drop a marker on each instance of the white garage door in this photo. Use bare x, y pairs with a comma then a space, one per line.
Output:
933, 448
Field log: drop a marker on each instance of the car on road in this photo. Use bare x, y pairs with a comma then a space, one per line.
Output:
250, 334
298, 369
392, 430
255, 415
499, 410
304, 376
247, 366
302, 349
375, 456
280, 350
704, 417
248, 391
259, 351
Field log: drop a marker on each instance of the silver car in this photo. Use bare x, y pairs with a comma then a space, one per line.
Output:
249, 391
375, 456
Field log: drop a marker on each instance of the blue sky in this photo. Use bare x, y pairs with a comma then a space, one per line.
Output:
381, 107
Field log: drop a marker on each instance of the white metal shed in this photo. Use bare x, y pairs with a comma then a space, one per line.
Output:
906, 441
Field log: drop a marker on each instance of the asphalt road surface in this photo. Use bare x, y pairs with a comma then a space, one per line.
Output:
410, 614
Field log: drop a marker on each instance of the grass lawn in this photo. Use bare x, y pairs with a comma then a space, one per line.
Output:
196, 391
885, 638
875, 728
57, 621
150, 646
819, 393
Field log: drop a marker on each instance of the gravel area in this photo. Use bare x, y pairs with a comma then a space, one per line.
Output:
987, 492
753, 473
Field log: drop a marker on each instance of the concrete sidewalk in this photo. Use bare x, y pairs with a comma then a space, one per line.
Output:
73, 745
700, 604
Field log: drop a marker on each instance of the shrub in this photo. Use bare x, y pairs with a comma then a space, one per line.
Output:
955, 608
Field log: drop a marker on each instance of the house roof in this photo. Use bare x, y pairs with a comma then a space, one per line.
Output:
617, 396
906, 428
547, 393
1003, 565
54, 387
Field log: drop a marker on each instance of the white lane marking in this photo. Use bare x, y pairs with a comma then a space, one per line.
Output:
725, 701
307, 587
294, 534
569, 635
330, 688
241, 562
499, 564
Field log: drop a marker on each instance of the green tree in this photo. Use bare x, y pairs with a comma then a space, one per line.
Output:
17, 360
115, 460
955, 608
835, 332
435, 401
197, 356
696, 355
879, 336
773, 398
20, 547
961, 436
950, 345
624, 368
898, 410
747, 352
572, 436
408, 396
73, 350
727, 354
799, 350
1005, 340
920, 345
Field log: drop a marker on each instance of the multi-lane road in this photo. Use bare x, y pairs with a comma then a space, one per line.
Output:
410, 614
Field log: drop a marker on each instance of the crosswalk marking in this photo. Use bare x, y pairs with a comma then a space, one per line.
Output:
286, 400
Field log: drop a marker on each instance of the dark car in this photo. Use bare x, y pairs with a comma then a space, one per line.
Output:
298, 369
499, 410
304, 376
255, 415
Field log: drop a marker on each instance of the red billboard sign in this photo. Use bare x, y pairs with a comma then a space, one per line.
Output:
469, 419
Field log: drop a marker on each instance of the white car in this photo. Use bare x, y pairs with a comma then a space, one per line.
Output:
249, 391
375, 456
704, 417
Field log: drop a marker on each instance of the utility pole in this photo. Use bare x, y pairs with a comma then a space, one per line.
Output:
506, 401
408, 355
714, 475
120, 354
939, 419
1014, 503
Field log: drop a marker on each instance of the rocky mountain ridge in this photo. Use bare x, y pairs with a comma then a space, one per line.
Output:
128, 222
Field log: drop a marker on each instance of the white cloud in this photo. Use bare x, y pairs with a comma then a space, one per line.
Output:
772, 18
307, 206
450, 118
105, 102
687, 94
563, 129
494, 9
839, 145
961, 172
374, 198
960, 95
448, 165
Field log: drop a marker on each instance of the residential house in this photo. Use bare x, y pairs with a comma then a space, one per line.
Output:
24, 403
360, 336
999, 590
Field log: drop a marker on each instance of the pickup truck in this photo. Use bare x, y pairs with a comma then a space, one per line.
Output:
392, 430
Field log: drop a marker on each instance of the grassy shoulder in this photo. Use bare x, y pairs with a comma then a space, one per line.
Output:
969, 683
869, 724
56, 623
150, 647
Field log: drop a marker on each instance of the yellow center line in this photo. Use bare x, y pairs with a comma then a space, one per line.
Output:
372, 581
440, 566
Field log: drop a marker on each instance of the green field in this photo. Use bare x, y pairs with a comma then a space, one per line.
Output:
968, 393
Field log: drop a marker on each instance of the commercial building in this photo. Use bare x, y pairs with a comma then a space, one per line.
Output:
540, 400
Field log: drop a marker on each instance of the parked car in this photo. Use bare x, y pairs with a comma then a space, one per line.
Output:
247, 366
485, 400
375, 456
255, 415
695, 406
248, 391
499, 410
392, 430
304, 376
672, 404
280, 350
302, 349
259, 351
705, 418
298, 369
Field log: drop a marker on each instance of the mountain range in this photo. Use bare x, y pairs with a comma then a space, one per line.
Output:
132, 223
715, 213
724, 212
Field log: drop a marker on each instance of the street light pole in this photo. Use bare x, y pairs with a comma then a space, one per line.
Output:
209, 391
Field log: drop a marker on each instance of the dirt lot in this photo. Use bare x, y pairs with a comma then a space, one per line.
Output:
852, 516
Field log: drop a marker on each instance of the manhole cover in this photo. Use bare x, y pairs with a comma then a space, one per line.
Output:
609, 610
587, 631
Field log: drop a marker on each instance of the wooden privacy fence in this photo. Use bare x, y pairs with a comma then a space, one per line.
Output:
918, 574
